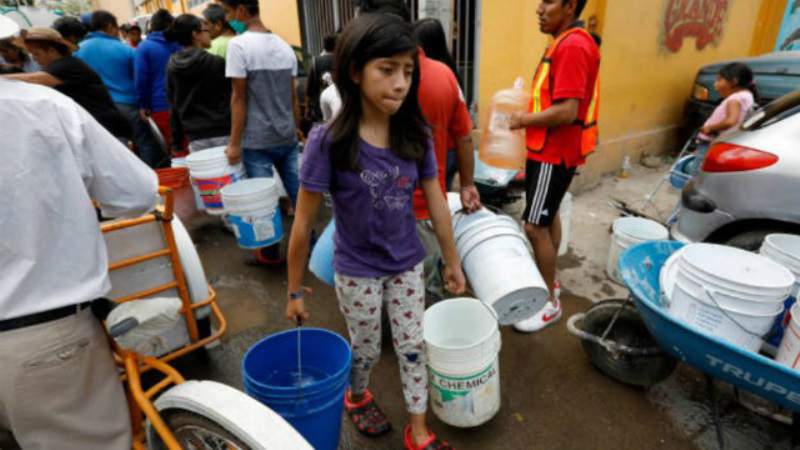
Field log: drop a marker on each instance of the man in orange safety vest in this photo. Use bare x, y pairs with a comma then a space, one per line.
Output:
561, 130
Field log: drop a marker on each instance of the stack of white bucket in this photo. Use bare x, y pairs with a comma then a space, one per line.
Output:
726, 292
252, 206
498, 264
211, 172
627, 232
463, 361
784, 249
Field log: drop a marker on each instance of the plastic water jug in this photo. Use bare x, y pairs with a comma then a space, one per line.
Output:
500, 146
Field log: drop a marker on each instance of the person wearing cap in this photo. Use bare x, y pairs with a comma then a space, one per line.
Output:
73, 78
59, 386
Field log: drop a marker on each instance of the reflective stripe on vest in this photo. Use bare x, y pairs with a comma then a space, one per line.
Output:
542, 98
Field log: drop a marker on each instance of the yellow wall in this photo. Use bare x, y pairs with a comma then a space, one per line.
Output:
282, 18
121, 9
644, 87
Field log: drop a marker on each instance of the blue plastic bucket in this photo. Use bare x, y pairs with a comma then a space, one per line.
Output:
315, 408
321, 261
258, 230
681, 172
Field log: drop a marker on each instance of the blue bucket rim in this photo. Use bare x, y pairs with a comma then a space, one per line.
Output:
337, 375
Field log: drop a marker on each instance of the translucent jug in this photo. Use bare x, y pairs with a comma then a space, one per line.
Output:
500, 146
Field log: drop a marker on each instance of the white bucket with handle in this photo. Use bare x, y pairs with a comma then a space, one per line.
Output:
495, 256
463, 363
727, 292
627, 232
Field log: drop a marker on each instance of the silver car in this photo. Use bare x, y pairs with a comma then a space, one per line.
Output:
749, 185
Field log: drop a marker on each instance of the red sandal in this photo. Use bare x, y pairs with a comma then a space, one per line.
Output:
432, 443
366, 416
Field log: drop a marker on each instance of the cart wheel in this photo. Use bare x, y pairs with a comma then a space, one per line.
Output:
194, 431
630, 330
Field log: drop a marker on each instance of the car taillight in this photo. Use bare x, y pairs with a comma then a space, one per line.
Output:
700, 93
724, 157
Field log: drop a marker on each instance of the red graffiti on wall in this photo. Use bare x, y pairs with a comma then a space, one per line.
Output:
701, 19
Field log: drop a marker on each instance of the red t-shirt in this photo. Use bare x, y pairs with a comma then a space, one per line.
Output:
445, 111
573, 73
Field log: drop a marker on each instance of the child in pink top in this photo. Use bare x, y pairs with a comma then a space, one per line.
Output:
736, 86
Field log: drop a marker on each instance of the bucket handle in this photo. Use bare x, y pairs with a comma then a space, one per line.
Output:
710, 294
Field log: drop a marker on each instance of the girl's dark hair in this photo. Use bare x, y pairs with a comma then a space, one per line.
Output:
740, 75
431, 37
368, 37
161, 20
183, 27
215, 14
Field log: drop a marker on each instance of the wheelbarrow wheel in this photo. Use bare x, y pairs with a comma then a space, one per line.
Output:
628, 330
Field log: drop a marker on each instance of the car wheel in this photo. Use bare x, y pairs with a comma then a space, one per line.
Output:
750, 240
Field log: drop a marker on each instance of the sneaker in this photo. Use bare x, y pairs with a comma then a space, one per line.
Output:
547, 316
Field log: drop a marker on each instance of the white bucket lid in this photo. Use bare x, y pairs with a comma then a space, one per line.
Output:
207, 159
640, 229
737, 267
250, 188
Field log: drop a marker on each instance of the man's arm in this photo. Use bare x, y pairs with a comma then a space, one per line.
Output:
115, 177
238, 118
562, 112
43, 78
296, 103
143, 84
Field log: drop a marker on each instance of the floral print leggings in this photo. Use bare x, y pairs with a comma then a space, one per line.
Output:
361, 301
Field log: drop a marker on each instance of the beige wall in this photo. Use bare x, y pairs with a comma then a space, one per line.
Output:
121, 9
644, 87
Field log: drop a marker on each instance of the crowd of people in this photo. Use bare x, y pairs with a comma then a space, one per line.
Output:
385, 127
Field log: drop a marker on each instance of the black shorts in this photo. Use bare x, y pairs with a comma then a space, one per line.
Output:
545, 187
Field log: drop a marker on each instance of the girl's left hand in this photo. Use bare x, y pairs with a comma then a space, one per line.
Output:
454, 280
707, 130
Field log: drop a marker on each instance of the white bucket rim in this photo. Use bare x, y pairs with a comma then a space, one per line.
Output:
696, 257
619, 228
448, 302
781, 257
468, 245
249, 187
762, 296
715, 303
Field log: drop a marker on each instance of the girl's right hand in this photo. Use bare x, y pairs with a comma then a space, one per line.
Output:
296, 311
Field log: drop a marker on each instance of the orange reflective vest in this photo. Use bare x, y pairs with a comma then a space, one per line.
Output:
542, 98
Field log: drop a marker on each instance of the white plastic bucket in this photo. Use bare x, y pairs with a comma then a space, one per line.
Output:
211, 172
565, 214
252, 208
789, 350
181, 162
463, 361
627, 232
499, 266
740, 328
785, 250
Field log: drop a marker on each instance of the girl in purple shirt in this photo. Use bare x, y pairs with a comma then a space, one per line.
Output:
370, 158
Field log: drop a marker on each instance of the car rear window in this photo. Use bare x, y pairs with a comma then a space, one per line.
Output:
770, 86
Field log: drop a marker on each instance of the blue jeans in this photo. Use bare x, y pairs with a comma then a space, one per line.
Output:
147, 148
259, 163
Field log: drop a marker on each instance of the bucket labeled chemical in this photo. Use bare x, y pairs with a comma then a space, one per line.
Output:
789, 349
252, 208
310, 399
463, 365
211, 172
496, 260
321, 261
627, 232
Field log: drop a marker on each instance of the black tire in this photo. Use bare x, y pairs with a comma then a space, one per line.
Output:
630, 330
182, 423
750, 240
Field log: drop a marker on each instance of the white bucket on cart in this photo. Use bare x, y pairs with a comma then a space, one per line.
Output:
211, 172
785, 250
729, 293
463, 361
789, 350
627, 232
565, 214
495, 256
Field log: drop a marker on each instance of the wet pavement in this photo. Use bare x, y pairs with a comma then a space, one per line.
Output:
552, 398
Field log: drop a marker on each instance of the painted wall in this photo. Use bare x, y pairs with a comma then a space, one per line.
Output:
121, 9
282, 17
644, 86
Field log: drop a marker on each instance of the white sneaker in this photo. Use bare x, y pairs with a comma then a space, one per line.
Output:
547, 316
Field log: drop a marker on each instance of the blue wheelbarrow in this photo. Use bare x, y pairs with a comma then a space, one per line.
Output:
637, 358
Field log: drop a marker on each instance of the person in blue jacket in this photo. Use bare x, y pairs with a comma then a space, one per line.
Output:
152, 57
114, 62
